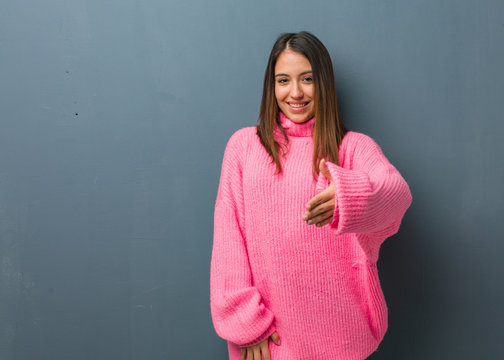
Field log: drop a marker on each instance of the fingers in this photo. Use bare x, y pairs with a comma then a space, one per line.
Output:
257, 353
320, 198
325, 170
320, 213
319, 210
265, 351
321, 219
319, 206
275, 338
328, 220
254, 352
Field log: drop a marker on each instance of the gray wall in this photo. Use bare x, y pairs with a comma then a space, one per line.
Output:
114, 117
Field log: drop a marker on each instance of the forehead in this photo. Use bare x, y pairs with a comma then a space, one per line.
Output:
291, 62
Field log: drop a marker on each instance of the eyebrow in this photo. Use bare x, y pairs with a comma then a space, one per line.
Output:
303, 73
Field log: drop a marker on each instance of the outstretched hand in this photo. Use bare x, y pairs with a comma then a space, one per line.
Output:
320, 208
254, 352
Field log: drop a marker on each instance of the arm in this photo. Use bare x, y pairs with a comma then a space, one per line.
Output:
237, 310
373, 197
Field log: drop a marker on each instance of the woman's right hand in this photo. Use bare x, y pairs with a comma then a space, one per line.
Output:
254, 352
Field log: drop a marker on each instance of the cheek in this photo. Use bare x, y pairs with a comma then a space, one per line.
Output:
280, 93
309, 91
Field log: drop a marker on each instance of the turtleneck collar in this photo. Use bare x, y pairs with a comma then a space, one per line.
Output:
295, 129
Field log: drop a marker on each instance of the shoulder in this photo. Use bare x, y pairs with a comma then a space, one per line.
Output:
355, 140
243, 134
353, 137
358, 148
240, 138
239, 141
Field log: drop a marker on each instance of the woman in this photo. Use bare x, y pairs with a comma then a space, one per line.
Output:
302, 208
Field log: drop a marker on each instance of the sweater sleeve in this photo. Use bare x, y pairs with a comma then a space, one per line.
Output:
372, 197
237, 310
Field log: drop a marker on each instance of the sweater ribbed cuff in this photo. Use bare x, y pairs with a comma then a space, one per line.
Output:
352, 191
263, 337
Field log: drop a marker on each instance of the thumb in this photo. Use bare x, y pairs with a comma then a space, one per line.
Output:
325, 170
275, 338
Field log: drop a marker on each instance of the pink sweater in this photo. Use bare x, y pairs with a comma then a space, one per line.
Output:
317, 287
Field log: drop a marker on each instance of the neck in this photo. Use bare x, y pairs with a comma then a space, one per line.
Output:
293, 129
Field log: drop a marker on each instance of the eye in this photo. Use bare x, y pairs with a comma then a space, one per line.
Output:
308, 79
282, 81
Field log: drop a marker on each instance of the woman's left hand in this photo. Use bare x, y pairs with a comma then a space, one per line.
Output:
320, 209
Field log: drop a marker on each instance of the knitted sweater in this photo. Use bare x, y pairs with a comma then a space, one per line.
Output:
317, 287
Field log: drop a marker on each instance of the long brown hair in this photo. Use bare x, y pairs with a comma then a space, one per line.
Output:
329, 130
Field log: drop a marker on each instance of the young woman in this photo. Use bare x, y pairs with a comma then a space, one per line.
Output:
302, 208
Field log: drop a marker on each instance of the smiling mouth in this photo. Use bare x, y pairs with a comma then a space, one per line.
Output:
298, 105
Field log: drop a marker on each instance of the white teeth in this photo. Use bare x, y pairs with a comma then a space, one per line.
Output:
298, 105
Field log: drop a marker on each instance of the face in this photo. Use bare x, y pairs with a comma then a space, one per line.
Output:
294, 86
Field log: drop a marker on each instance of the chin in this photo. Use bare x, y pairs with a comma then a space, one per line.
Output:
299, 118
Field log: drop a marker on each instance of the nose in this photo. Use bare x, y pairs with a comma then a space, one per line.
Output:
296, 91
